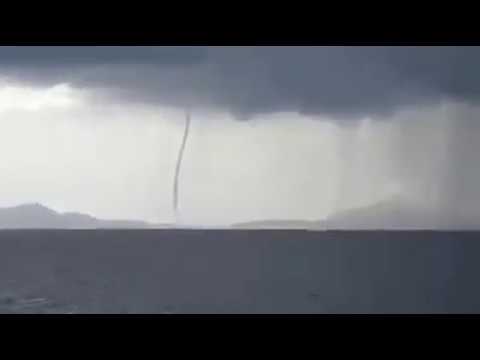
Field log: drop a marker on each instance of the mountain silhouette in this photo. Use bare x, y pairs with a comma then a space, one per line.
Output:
391, 214
37, 216
398, 213
395, 213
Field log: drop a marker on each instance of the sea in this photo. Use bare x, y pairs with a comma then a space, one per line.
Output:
238, 272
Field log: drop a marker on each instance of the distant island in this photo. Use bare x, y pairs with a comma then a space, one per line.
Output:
37, 216
392, 214
281, 224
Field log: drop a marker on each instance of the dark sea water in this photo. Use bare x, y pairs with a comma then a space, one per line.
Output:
221, 271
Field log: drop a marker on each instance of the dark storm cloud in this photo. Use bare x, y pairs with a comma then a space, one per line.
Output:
338, 81
86, 55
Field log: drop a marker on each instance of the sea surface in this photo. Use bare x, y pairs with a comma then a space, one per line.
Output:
238, 272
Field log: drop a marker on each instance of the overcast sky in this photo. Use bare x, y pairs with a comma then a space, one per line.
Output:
277, 132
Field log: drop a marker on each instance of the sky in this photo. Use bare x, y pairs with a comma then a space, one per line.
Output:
277, 132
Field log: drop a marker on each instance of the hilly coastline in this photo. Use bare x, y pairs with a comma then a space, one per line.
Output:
37, 216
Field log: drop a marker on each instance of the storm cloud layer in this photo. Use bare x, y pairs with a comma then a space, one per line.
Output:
342, 82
